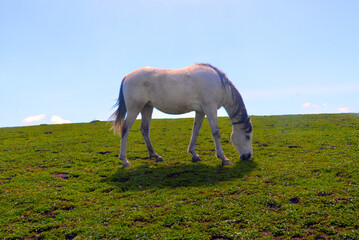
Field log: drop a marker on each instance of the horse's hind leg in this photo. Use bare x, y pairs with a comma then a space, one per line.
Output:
195, 131
130, 119
146, 114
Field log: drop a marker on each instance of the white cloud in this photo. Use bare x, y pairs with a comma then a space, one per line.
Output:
343, 110
306, 105
310, 105
58, 120
315, 108
321, 108
36, 118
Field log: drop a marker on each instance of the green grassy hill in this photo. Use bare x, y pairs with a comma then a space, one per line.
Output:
64, 182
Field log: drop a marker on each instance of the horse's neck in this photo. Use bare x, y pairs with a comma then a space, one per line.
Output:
234, 106
230, 109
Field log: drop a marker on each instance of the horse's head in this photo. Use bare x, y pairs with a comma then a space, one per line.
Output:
242, 139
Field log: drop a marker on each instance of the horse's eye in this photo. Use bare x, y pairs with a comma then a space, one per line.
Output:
248, 137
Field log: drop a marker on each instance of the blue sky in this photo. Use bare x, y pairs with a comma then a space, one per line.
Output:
63, 61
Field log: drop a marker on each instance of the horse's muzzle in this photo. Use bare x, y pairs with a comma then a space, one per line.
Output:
246, 156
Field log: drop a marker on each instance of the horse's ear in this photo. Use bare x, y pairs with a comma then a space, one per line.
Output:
250, 124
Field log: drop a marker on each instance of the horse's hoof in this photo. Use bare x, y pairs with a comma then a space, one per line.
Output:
196, 159
159, 159
226, 162
125, 165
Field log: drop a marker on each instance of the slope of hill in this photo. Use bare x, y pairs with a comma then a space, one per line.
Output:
64, 182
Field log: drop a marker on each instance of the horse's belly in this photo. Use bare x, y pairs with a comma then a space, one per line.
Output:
171, 107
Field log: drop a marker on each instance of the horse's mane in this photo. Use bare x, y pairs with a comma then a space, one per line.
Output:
240, 110
222, 75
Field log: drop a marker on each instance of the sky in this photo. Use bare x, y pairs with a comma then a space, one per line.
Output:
62, 61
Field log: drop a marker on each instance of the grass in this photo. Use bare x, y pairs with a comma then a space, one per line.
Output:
64, 182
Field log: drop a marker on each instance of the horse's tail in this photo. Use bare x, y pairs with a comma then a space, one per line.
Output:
120, 114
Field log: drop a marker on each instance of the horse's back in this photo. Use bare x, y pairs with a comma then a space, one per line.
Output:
174, 90
193, 77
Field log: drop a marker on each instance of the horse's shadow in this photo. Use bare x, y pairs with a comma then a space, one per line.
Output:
179, 175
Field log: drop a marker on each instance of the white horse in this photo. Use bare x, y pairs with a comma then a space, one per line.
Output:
201, 88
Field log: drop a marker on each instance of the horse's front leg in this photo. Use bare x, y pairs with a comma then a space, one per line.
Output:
130, 119
213, 123
195, 131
